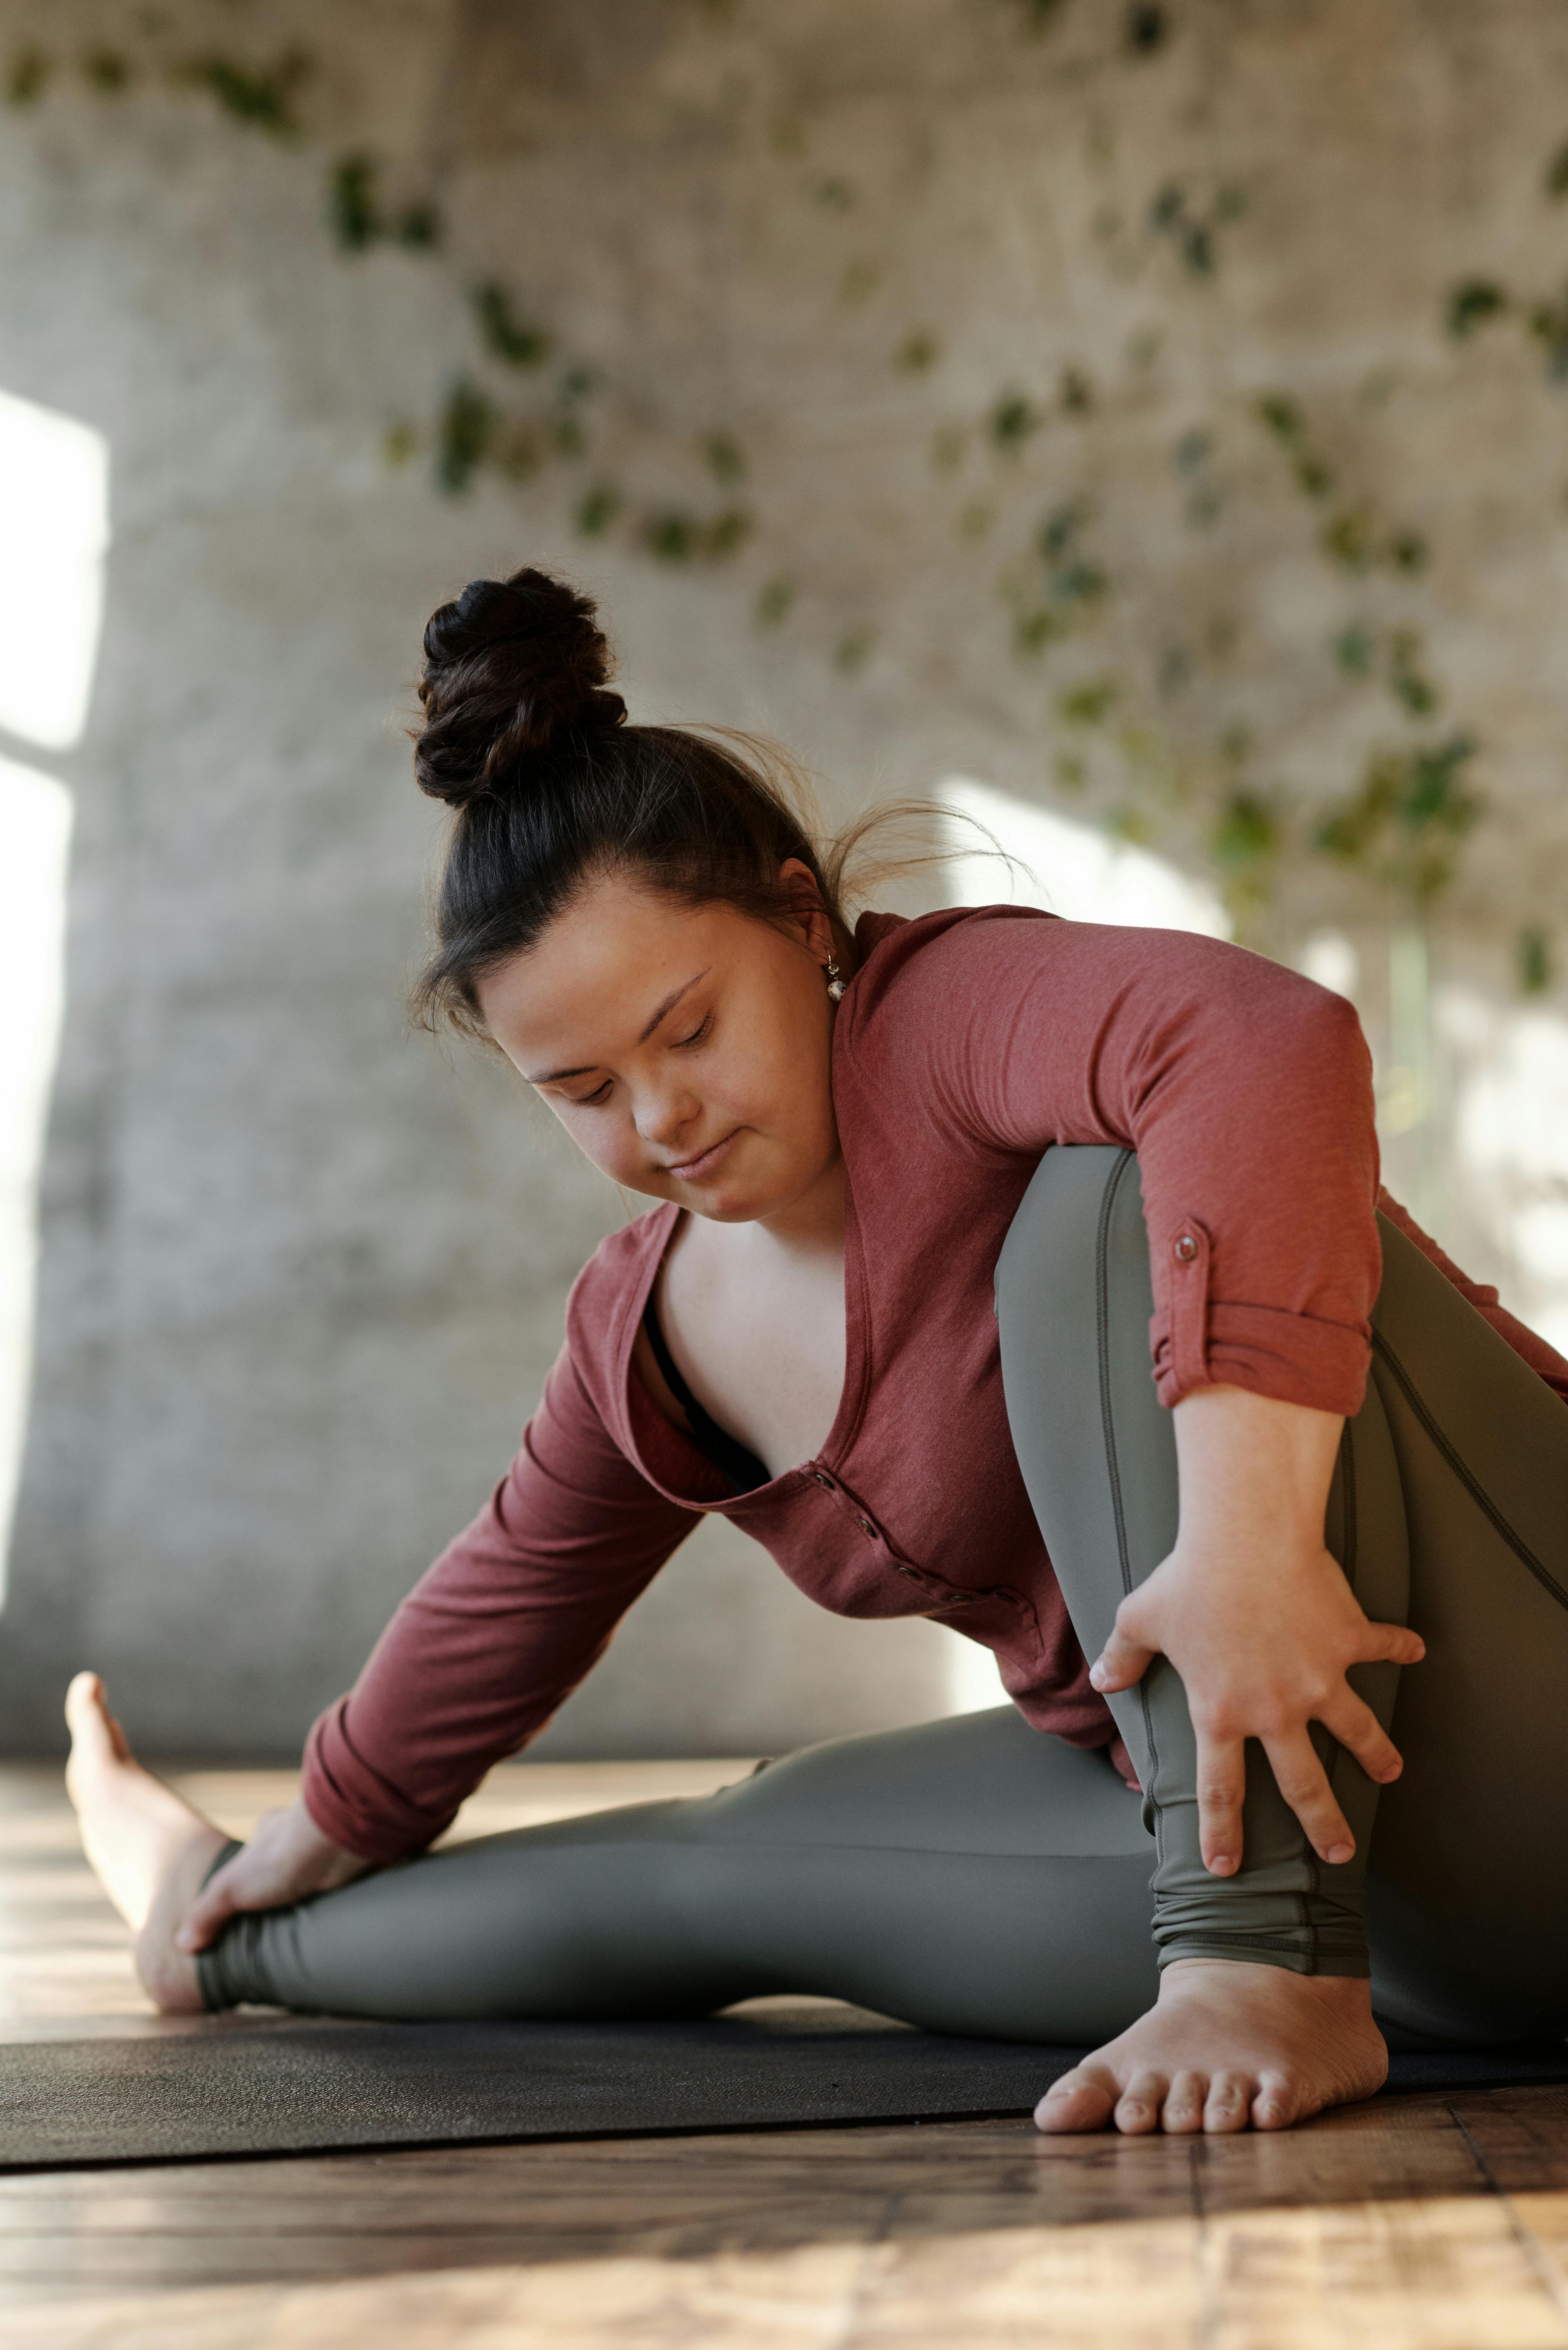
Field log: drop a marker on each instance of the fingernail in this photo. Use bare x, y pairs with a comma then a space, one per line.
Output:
1096, 1675
1338, 1853
1222, 1865
1392, 1774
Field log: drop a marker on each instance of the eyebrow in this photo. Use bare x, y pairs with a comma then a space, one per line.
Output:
555, 1076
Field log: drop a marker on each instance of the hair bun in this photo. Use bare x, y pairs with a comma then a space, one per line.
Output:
511, 666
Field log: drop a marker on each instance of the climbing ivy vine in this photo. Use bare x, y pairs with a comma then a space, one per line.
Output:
1054, 581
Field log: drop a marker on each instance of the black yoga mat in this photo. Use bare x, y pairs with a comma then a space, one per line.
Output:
300, 2087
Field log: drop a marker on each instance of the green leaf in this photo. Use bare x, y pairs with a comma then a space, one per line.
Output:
1088, 704
775, 601
352, 202
516, 341
1472, 303
919, 352
1534, 962
1015, 421
1245, 832
464, 433
27, 76
259, 96
724, 457
1353, 650
107, 72
598, 510
1281, 417
420, 225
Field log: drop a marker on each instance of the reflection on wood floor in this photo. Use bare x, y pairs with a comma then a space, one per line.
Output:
1434, 2223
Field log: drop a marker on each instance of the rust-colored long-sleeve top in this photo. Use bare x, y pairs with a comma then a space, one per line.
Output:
967, 1042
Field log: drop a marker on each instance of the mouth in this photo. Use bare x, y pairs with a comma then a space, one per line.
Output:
694, 1171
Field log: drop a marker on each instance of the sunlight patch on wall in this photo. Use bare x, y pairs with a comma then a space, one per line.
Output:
1511, 1143
54, 531
1070, 869
34, 836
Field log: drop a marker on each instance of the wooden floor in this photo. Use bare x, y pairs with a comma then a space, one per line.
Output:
1408, 2224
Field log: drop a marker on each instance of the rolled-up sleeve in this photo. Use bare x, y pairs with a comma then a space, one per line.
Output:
495, 1635
1245, 1089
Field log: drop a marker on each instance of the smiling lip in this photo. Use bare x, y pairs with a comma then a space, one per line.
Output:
692, 1171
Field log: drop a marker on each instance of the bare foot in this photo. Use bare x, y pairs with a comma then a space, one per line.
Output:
149, 1849
1228, 2043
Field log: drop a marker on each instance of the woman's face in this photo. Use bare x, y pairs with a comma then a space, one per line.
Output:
685, 1049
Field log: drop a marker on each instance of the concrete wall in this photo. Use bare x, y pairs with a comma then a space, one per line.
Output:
300, 1277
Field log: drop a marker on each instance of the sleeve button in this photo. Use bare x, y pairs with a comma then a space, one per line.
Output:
1186, 1249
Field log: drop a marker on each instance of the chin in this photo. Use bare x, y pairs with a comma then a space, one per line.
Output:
736, 1207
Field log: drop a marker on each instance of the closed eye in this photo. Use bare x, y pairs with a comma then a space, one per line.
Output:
682, 1044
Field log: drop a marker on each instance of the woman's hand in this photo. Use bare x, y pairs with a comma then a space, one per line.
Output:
285, 1859
1258, 1618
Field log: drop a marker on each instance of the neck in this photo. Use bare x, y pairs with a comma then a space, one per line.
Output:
813, 1224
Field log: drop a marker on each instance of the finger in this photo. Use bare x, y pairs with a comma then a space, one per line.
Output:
1139, 2106
1184, 2104
1222, 1788
1303, 1783
1229, 2105
1121, 1662
1357, 1727
1082, 2099
1390, 1644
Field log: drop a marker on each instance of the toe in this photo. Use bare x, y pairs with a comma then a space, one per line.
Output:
1184, 2104
1229, 2104
1279, 2102
1082, 2099
1139, 2106
84, 1704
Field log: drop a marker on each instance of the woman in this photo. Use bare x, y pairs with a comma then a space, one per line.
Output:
853, 1137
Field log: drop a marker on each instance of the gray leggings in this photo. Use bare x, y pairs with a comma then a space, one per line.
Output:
974, 1876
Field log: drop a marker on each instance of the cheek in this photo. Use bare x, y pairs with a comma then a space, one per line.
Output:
607, 1140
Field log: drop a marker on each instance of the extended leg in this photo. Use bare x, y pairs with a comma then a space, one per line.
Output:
970, 1875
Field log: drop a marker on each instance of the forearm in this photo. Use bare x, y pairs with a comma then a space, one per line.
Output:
1254, 1470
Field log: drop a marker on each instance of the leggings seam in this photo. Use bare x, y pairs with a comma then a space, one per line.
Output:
1107, 1423
1466, 1476
1350, 1542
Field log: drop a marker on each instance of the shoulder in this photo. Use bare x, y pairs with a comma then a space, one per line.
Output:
606, 1292
941, 974
959, 943
965, 959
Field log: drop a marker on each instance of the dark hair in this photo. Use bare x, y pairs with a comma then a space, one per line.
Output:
525, 739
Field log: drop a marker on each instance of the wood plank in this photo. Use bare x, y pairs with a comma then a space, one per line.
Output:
1413, 2223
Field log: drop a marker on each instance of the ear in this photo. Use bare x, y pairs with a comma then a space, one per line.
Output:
806, 908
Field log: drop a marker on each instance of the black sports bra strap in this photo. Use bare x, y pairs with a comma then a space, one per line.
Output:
734, 1461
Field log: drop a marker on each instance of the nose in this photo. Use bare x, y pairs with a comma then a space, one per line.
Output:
666, 1117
